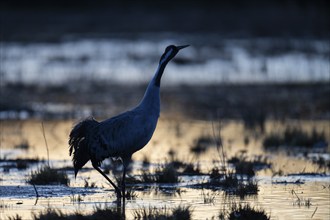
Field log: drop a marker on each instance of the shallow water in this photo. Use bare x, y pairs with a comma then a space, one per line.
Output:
279, 196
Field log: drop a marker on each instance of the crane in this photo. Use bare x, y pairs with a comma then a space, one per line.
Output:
122, 135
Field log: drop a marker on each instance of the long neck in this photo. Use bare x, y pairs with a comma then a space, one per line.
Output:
151, 98
159, 72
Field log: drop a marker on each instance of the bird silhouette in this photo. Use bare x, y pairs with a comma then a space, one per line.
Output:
122, 135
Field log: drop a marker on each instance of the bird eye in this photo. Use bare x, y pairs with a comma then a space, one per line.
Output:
169, 47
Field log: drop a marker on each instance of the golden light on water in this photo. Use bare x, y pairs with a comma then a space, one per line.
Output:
171, 135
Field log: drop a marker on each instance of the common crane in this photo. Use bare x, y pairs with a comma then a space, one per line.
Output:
122, 135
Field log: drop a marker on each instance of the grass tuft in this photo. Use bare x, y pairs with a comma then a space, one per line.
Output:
99, 214
181, 212
16, 217
227, 180
208, 198
153, 213
131, 194
164, 174
246, 189
47, 175
167, 174
244, 212
248, 167
89, 185
191, 169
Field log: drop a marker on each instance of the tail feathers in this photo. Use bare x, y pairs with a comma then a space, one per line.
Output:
79, 144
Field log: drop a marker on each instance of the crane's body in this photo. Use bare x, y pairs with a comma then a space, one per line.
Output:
122, 135
128, 132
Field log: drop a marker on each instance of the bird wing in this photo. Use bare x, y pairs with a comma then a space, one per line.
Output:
121, 136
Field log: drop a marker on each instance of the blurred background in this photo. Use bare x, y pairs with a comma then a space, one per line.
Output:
256, 78
71, 59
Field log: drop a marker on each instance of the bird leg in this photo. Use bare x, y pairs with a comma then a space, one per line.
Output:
105, 176
123, 185
126, 161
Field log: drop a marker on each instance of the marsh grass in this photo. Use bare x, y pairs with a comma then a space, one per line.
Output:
184, 168
245, 166
166, 191
208, 198
147, 177
201, 144
243, 212
89, 184
223, 180
321, 162
191, 169
22, 165
246, 212
130, 193
24, 145
16, 217
167, 174
47, 175
76, 198
300, 201
163, 174
231, 184
99, 213
294, 137
174, 160
146, 161
154, 213
248, 188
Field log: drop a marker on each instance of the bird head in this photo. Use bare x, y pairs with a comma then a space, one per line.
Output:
170, 52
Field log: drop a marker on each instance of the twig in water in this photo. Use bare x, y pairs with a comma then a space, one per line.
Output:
43, 133
314, 212
294, 193
37, 194
219, 145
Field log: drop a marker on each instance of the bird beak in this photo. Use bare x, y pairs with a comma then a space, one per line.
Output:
181, 47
